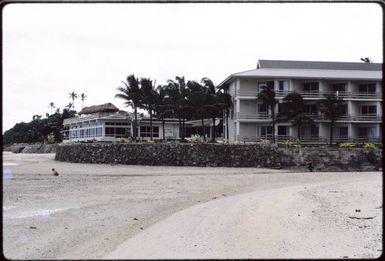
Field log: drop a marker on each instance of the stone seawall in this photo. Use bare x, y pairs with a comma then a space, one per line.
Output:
172, 154
221, 155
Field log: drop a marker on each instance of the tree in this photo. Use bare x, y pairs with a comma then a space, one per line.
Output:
177, 101
132, 95
225, 102
73, 96
69, 106
162, 108
52, 106
332, 108
38, 128
149, 99
83, 97
366, 60
294, 110
267, 96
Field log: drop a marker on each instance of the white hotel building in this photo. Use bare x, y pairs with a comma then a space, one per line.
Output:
359, 84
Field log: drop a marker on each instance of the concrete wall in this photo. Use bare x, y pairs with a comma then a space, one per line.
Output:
248, 130
248, 85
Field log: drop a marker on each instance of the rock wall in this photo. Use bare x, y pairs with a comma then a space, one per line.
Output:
172, 154
334, 159
222, 155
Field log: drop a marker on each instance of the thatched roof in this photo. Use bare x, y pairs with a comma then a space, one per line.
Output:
107, 107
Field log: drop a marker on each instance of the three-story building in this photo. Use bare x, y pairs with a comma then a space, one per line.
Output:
358, 84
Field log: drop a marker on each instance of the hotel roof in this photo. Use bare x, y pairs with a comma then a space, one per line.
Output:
312, 70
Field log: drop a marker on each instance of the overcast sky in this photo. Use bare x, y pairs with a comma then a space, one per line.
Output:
50, 50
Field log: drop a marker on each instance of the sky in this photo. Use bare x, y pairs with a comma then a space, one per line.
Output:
50, 50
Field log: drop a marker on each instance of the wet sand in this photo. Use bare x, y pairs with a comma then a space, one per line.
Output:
115, 211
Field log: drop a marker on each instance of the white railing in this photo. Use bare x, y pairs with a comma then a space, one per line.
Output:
260, 115
310, 139
316, 94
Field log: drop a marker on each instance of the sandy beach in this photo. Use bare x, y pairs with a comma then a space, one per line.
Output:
147, 212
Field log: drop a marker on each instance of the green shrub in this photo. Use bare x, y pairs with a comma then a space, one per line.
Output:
51, 138
346, 145
369, 146
264, 141
287, 143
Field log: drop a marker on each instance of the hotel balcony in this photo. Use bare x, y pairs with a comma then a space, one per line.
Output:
359, 117
317, 94
253, 116
312, 139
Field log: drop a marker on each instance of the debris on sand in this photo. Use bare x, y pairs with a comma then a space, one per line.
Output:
362, 217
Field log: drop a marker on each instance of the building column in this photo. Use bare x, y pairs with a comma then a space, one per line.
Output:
237, 127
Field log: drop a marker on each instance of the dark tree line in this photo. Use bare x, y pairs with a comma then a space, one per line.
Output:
39, 128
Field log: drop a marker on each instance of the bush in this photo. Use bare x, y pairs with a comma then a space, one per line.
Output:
369, 146
287, 143
346, 145
264, 141
51, 138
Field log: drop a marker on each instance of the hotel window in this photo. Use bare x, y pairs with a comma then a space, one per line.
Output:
280, 107
119, 132
343, 132
367, 132
266, 131
109, 132
340, 87
310, 109
314, 131
98, 132
367, 88
145, 131
311, 86
365, 110
344, 109
283, 131
311, 131
283, 86
268, 85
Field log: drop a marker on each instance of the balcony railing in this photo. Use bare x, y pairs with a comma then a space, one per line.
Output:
318, 94
314, 116
366, 117
311, 139
260, 115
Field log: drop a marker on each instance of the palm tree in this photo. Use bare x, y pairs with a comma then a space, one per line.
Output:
366, 60
332, 108
52, 106
132, 95
226, 103
73, 96
267, 96
162, 108
198, 99
69, 106
178, 101
294, 110
149, 99
83, 97
217, 103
